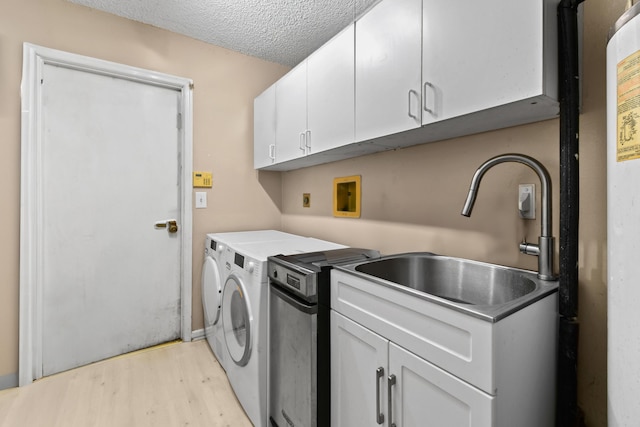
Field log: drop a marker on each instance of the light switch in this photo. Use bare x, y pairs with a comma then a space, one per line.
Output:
201, 199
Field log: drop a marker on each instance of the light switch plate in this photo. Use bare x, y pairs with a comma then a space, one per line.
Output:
201, 199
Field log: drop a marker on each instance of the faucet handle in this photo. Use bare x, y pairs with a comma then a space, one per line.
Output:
529, 248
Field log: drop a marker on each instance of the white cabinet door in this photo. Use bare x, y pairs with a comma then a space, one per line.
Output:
264, 128
356, 355
291, 114
490, 63
330, 92
388, 64
426, 395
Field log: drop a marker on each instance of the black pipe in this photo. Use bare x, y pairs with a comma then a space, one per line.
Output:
567, 408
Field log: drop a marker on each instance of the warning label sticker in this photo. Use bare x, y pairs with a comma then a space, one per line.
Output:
628, 139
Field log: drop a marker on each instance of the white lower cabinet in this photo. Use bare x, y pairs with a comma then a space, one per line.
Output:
356, 355
376, 382
424, 395
451, 369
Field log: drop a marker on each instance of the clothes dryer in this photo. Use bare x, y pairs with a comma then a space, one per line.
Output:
245, 318
212, 282
214, 273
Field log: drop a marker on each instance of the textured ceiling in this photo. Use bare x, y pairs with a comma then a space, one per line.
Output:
282, 31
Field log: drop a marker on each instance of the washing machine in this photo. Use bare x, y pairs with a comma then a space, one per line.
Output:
245, 318
214, 273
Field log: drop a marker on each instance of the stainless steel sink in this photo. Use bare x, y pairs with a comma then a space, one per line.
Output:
485, 290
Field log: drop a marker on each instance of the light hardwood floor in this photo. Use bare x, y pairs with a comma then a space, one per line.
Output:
174, 385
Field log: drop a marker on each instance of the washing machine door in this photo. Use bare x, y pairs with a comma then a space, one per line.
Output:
211, 292
236, 320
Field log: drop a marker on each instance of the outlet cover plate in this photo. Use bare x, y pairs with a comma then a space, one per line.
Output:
527, 201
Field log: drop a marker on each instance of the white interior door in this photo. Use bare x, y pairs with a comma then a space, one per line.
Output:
109, 279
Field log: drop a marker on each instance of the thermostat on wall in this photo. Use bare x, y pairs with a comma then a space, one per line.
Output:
202, 180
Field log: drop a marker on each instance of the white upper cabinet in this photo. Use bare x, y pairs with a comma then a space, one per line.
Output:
264, 128
291, 114
315, 101
388, 64
414, 71
478, 55
330, 94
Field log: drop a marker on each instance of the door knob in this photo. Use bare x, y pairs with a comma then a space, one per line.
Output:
170, 224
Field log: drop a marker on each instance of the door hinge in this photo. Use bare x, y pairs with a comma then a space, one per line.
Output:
179, 120
191, 86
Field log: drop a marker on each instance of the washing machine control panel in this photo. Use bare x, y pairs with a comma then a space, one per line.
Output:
213, 246
238, 259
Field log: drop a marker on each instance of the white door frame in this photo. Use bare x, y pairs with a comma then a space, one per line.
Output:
31, 209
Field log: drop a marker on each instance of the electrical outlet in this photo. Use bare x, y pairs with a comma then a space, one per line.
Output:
527, 201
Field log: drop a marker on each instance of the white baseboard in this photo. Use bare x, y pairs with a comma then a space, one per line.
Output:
197, 335
9, 381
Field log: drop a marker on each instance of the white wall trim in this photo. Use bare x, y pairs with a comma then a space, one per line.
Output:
9, 381
197, 335
34, 59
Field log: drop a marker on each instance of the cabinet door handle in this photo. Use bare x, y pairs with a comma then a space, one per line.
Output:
413, 116
303, 144
424, 97
379, 376
272, 151
308, 144
391, 382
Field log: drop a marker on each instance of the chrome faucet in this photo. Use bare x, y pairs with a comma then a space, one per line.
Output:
544, 249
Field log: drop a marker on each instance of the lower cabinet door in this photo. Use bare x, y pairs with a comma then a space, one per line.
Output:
358, 396
425, 395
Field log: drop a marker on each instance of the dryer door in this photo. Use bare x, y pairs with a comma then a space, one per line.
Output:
211, 292
236, 320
